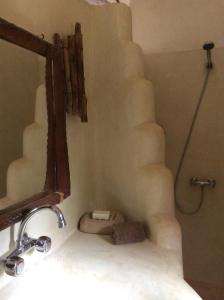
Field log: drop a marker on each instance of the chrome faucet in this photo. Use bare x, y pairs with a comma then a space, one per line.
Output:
14, 264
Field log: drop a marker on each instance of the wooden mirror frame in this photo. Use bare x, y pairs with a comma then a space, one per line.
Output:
57, 183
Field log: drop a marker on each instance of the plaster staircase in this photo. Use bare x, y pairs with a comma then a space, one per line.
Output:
146, 141
26, 176
131, 145
131, 154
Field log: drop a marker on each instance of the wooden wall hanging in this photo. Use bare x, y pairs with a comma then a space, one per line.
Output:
76, 100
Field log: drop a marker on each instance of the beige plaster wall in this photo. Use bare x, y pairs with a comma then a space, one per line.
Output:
18, 84
173, 25
171, 34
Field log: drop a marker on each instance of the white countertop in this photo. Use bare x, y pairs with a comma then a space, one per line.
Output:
91, 267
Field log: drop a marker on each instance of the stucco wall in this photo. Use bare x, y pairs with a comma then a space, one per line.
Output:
166, 26
171, 34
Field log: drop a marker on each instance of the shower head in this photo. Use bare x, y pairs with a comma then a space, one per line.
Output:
208, 46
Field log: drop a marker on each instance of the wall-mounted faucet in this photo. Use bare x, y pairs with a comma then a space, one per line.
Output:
14, 264
203, 183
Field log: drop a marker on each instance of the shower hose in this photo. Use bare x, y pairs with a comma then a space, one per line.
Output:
187, 142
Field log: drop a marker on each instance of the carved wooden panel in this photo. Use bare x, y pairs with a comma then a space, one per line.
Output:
73, 65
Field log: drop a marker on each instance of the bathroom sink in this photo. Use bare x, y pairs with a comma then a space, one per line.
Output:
91, 267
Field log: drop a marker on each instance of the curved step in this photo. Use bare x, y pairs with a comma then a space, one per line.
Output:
141, 193
165, 231
41, 106
5, 202
125, 64
121, 19
131, 64
35, 143
156, 187
141, 145
152, 140
24, 178
135, 95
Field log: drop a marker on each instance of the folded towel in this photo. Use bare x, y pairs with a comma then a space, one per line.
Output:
130, 232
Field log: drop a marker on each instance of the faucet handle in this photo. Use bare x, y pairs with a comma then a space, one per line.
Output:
43, 244
14, 266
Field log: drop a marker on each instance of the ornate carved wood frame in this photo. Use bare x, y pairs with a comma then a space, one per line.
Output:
57, 184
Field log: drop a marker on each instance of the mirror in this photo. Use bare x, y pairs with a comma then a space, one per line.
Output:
19, 86
34, 168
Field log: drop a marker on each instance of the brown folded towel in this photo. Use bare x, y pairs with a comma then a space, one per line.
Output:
130, 232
